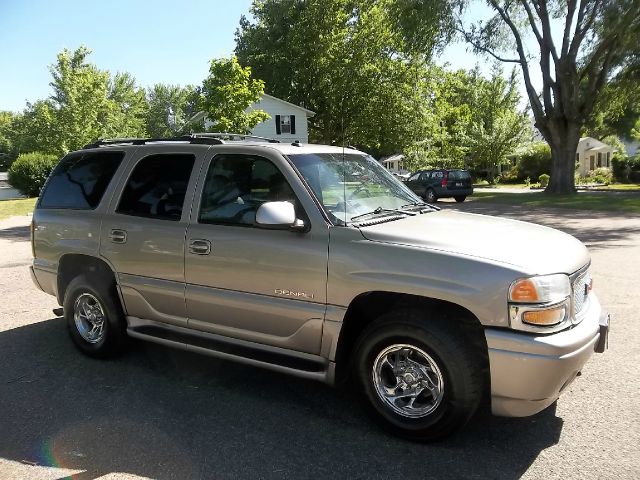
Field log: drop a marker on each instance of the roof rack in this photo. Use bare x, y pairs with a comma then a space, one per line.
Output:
217, 138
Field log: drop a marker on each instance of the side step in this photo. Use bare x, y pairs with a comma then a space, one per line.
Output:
299, 364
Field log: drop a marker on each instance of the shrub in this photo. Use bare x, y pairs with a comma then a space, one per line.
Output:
600, 175
620, 167
534, 161
544, 180
30, 170
510, 176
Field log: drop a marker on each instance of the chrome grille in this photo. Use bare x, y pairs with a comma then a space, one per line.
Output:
579, 291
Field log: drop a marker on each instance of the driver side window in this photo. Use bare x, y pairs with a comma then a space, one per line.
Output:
236, 185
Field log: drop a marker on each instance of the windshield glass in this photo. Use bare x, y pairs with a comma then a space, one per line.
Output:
351, 184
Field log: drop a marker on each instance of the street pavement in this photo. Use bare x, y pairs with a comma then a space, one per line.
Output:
161, 413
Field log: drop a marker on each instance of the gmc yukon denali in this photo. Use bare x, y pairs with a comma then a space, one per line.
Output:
315, 261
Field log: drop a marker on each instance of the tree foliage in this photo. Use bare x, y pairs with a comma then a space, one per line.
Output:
170, 108
347, 60
599, 41
227, 95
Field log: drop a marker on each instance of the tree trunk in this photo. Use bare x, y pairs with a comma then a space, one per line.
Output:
563, 159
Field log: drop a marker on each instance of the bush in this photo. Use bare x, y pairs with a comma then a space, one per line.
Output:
30, 170
534, 161
620, 167
600, 175
510, 176
544, 180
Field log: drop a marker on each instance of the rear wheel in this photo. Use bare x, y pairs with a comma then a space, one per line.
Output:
430, 196
94, 317
418, 377
460, 198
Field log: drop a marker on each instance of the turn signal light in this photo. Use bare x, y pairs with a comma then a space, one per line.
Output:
525, 291
546, 317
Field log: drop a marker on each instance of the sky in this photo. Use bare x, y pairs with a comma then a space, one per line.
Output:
157, 41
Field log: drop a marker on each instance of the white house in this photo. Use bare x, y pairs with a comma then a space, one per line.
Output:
288, 122
592, 154
394, 163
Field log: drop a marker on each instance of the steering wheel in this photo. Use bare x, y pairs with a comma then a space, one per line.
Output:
360, 189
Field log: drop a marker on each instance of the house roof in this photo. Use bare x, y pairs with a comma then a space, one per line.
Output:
392, 158
309, 112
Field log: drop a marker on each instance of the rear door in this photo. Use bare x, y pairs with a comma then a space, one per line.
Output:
143, 233
458, 180
251, 283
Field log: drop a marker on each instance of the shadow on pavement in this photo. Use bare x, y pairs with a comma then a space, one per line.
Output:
162, 413
18, 233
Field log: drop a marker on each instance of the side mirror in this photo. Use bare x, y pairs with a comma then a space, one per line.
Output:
278, 215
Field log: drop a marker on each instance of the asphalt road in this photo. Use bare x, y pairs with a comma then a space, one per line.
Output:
161, 413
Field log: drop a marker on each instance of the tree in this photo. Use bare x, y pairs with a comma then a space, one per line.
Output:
128, 107
599, 38
497, 127
350, 62
170, 107
227, 94
8, 148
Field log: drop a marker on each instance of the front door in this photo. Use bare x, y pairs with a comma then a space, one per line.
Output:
247, 282
143, 234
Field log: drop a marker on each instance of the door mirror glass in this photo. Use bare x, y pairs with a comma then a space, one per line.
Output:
276, 215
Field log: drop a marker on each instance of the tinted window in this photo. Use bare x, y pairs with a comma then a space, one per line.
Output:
236, 185
80, 180
459, 175
425, 176
157, 187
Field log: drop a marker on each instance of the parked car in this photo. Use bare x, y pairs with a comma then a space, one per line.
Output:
318, 263
434, 184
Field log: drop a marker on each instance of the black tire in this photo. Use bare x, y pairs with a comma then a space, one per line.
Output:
113, 338
460, 198
430, 196
459, 367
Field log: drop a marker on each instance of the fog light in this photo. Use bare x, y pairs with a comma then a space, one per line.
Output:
550, 316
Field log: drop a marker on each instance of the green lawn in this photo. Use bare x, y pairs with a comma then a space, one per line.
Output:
10, 208
603, 201
620, 187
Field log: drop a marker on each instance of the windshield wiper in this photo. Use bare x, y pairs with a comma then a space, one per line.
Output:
378, 211
419, 204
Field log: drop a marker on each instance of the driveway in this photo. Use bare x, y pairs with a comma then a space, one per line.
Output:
162, 413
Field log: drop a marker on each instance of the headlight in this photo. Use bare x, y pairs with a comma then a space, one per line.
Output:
540, 304
541, 289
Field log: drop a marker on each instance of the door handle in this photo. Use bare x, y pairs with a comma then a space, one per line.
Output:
200, 247
118, 236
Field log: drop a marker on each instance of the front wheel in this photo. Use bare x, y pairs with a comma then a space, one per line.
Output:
460, 198
418, 377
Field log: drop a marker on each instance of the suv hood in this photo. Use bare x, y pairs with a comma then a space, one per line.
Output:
532, 248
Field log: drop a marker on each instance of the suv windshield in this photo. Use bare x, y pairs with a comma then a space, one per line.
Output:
350, 185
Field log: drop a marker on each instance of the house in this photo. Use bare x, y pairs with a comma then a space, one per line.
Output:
394, 163
592, 154
288, 122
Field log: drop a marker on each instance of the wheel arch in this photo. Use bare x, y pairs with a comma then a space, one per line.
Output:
73, 264
368, 306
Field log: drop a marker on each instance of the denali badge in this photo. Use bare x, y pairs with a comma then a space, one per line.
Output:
291, 293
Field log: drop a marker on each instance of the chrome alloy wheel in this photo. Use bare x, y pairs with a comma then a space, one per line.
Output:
408, 380
89, 318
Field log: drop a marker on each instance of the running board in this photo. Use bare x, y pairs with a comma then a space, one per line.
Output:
300, 364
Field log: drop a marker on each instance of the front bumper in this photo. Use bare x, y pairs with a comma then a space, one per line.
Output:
529, 372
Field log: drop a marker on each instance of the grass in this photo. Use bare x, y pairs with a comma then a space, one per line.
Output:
597, 201
11, 208
621, 187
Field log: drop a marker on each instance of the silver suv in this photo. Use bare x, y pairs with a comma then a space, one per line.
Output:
314, 261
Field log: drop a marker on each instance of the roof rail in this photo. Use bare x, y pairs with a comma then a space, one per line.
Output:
216, 138
231, 136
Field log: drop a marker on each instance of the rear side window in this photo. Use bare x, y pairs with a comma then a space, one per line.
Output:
157, 187
80, 180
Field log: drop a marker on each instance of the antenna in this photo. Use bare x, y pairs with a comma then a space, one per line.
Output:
344, 169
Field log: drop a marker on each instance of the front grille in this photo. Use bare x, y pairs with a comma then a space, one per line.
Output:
580, 292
